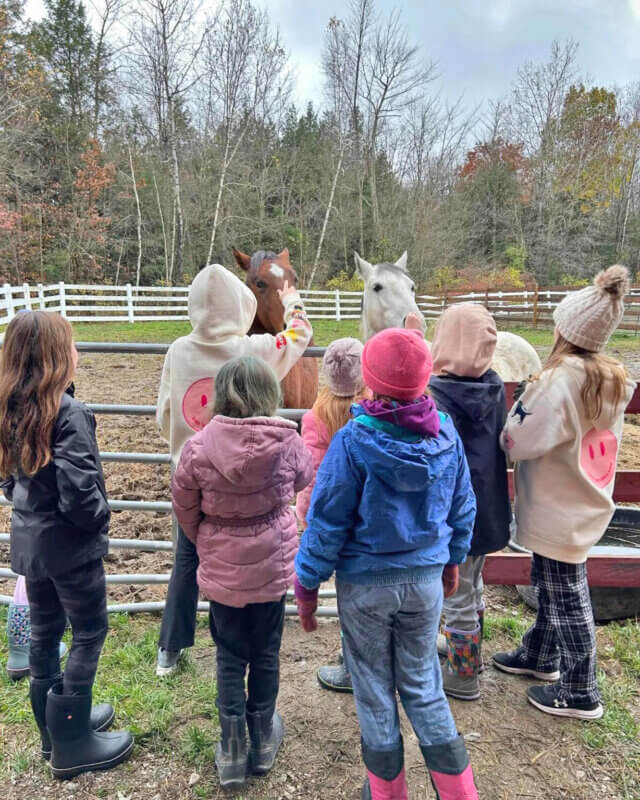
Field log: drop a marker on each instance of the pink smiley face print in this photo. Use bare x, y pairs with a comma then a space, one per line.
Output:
195, 404
598, 456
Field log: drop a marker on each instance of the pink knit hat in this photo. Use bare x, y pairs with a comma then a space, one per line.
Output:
342, 367
397, 363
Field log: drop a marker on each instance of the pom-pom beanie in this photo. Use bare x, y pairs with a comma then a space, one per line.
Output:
464, 341
587, 318
342, 367
397, 363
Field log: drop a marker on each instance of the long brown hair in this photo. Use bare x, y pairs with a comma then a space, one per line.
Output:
332, 410
35, 369
600, 370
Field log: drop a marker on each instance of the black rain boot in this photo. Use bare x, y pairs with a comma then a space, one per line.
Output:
101, 719
76, 747
231, 753
266, 730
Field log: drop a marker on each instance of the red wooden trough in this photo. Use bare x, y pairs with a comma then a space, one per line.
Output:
603, 570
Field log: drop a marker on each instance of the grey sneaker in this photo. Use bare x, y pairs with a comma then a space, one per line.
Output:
168, 661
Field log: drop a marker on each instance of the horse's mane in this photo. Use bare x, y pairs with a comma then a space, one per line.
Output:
258, 257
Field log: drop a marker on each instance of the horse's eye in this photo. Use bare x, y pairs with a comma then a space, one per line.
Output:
413, 289
377, 287
261, 284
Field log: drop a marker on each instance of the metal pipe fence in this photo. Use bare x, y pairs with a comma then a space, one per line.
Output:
158, 506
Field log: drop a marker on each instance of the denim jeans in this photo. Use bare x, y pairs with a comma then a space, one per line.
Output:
390, 634
247, 637
178, 627
461, 609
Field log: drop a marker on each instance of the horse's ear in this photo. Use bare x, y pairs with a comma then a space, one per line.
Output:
401, 263
363, 268
242, 259
284, 255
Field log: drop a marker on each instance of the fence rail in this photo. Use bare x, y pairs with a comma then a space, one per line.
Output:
98, 303
604, 570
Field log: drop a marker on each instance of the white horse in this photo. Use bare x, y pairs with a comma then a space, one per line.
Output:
389, 295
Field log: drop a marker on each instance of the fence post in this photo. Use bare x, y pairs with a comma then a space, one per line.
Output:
27, 296
42, 303
535, 307
63, 299
130, 303
9, 299
337, 305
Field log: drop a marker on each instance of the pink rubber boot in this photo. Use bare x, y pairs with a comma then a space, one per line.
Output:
450, 770
376, 788
386, 779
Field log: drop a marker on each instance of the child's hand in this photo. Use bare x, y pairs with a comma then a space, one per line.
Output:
413, 322
450, 579
307, 602
286, 291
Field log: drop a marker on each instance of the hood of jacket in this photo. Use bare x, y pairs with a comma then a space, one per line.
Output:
247, 452
220, 305
401, 465
467, 398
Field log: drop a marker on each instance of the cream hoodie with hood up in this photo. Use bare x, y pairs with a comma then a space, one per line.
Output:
566, 463
221, 311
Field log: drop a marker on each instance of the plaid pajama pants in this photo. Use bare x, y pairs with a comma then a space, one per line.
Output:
563, 635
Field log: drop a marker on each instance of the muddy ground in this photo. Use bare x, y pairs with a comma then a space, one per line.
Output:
517, 752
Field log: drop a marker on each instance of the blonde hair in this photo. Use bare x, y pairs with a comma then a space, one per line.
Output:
247, 387
599, 370
37, 367
332, 410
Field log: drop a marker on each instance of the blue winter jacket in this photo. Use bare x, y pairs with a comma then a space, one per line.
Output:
386, 510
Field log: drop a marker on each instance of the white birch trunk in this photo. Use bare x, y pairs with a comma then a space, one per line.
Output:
325, 221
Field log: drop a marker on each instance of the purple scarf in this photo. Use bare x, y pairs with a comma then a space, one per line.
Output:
418, 416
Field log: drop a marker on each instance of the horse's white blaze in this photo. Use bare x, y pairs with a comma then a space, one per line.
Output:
274, 269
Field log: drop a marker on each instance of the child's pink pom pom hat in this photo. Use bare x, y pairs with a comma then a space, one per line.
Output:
397, 363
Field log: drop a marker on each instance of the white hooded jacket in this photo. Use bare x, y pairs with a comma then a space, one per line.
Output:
221, 311
566, 463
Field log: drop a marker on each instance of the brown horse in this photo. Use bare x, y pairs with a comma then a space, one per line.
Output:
266, 273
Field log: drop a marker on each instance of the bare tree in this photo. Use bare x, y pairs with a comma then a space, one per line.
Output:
166, 43
394, 78
245, 69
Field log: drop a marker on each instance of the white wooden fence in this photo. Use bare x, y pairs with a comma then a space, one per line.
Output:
100, 303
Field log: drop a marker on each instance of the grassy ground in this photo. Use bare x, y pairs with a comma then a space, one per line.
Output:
174, 721
325, 331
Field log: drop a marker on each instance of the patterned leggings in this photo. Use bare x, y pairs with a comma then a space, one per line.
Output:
564, 634
80, 596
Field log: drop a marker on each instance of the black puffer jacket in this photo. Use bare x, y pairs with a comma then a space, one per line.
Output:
478, 409
61, 516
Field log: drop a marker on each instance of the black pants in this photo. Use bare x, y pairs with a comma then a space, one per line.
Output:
80, 596
248, 636
178, 628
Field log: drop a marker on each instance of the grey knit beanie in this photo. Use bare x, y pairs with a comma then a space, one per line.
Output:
588, 318
342, 366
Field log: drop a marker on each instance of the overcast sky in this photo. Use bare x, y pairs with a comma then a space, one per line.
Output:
477, 44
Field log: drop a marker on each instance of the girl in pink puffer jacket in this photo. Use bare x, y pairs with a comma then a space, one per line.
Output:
344, 384
231, 494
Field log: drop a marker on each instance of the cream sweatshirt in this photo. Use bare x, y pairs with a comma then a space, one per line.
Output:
221, 311
565, 464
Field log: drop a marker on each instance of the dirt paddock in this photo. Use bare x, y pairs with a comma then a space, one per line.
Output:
516, 751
